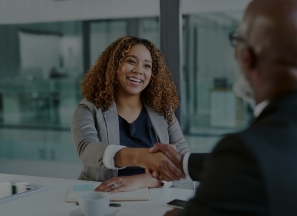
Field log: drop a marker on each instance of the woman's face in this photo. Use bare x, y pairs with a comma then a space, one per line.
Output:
135, 71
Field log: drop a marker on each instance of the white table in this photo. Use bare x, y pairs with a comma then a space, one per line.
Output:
52, 202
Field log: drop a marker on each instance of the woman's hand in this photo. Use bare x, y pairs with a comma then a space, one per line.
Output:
172, 212
126, 183
174, 157
157, 161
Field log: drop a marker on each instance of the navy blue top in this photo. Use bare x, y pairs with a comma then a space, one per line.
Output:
139, 134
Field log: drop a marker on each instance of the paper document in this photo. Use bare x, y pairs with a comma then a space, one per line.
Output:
142, 194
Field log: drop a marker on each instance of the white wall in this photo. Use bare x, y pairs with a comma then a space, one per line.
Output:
203, 6
31, 11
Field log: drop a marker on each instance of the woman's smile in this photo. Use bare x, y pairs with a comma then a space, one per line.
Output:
135, 71
135, 81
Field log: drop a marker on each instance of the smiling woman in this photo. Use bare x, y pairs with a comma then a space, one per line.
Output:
128, 106
135, 72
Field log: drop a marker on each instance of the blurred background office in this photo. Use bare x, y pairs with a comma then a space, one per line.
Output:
47, 45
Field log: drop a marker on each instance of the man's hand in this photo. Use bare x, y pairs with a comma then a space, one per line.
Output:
171, 152
157, 161
161, 164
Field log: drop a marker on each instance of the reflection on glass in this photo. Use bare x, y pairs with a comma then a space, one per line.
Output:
150, 30
210, 108
41, 66
103, 33
39, 80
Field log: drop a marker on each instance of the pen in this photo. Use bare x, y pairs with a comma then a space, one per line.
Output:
114, 204
110, 204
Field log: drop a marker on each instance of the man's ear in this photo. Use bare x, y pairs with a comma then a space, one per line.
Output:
248, 59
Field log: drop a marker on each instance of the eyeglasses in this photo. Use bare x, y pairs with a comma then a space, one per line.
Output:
235, 39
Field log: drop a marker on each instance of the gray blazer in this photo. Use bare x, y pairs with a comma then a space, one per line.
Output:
93, 130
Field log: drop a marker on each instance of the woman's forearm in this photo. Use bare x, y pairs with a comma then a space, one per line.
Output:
130, 157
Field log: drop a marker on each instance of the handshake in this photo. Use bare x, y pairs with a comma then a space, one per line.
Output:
163, 162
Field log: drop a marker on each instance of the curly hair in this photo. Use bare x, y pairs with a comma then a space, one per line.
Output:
100, 84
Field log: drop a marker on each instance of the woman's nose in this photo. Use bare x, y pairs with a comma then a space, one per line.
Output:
137, 70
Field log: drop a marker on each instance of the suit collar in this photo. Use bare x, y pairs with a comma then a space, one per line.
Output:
285, 101
260, 107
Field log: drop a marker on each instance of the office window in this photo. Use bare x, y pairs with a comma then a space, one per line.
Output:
40, 70
210, 108
44, 56
41, 66
104, 32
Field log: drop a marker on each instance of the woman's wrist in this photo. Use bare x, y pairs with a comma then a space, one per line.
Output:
130, 157
139, 156
148, 181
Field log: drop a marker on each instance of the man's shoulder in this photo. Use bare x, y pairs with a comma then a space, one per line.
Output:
248, 137
232, 141
248, 141
264, 139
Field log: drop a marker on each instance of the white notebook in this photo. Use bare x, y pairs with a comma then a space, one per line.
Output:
142, 194
14, 189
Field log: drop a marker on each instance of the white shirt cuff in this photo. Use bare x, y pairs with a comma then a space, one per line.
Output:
166, 184
109, 153
185, 164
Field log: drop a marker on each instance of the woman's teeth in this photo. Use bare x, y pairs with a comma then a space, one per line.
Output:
135, 80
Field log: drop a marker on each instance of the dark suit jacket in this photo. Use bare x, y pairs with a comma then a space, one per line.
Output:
253, 172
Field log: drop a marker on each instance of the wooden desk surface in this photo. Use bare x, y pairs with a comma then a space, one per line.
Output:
52, 202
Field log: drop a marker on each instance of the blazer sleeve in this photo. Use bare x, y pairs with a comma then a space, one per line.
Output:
176, 137
232, 183
85, 137
196, 161
196, 165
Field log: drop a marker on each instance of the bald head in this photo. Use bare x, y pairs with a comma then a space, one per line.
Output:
271, 28
270, 61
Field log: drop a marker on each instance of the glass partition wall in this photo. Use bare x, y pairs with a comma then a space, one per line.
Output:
40, 70
41, 66
210, 108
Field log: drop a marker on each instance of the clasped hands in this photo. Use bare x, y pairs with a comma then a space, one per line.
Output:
164, 163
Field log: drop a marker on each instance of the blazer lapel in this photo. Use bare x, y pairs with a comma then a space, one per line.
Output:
159, 124
112, 124
289, 100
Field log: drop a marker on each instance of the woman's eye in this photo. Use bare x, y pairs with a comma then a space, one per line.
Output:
147, 66
131, 61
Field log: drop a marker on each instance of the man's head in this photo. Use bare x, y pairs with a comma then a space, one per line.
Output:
266, 48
